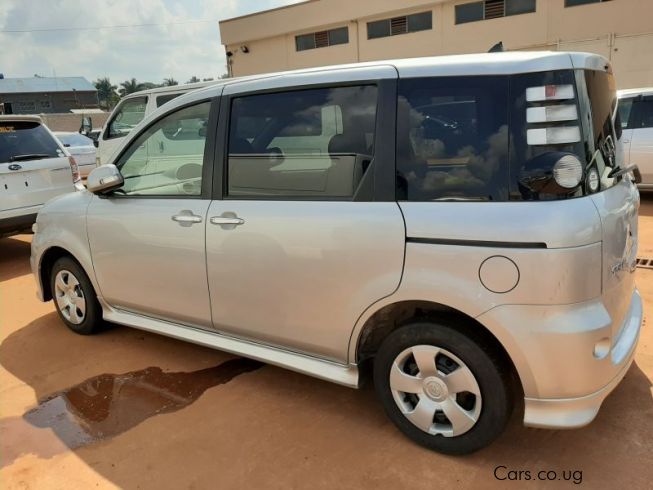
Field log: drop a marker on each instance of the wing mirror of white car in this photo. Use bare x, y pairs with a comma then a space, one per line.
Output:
104, 179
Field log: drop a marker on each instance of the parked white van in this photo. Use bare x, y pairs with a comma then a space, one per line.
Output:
131, 110
636, 118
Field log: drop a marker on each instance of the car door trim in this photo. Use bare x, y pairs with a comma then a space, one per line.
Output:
343, 374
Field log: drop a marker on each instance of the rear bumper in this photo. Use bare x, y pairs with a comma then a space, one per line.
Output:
566, 358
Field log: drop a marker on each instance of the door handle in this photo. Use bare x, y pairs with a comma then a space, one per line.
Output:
186, 218
227, 220
625, 141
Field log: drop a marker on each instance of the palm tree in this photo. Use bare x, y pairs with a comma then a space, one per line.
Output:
106, 92
169, 82
129, 87
193, 79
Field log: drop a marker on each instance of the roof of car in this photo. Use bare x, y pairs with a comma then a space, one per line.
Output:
171, 89
19, 117
635, 91
454, 65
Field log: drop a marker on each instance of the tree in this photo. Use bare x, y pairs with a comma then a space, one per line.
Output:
169, 82
129, 87
193, 79
106, 92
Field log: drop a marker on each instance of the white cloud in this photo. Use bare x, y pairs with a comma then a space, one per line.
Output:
146, 53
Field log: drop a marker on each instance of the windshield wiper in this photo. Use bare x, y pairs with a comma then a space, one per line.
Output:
29, 156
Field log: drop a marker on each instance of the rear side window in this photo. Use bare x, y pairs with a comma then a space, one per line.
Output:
26, 140
309, 143
625, 110
128, 115
644, 112
162, 99
452, 139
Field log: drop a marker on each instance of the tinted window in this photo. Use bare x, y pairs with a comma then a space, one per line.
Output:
572, 3
452, 139
601, 89
338, 36
625, 110
305, 41
167, 158
644, 109
23, 138
420, 22
379, 28
129, 114
305, 143
515, 7
162, 99
469, 12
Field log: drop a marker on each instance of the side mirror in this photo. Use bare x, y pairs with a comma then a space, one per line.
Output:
104, 179
96, 143
87, 125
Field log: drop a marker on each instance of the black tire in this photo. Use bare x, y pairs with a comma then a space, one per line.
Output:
92, 319
489, 370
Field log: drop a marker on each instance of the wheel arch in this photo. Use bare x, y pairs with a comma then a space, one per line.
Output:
48, 259
389, 317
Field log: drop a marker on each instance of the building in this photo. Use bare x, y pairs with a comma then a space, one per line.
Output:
325, 32
37, 95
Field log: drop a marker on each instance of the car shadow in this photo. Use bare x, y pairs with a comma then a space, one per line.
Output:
271, 425
14, 258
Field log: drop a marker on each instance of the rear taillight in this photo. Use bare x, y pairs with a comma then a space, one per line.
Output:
549, 117
73, 167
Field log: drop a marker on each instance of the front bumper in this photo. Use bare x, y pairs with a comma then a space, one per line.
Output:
564, 377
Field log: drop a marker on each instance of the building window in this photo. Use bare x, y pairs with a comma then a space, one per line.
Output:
46, 104
400, 25
492, 9
573, 3
322, 39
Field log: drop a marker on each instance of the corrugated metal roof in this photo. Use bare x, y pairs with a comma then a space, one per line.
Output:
44, 84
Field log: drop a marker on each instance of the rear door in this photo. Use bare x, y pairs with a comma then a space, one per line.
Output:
299, 239
33, 166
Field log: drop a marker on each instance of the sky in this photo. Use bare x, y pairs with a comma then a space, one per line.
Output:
148, 54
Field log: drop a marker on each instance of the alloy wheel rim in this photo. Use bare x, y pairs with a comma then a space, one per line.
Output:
69, 297
435, 390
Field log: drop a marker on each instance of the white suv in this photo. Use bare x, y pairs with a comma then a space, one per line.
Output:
34, 167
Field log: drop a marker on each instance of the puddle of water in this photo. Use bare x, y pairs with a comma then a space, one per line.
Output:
109, 404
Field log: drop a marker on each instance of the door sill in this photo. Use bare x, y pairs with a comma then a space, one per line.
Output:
346, 375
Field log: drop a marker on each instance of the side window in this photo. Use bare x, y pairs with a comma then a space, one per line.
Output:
167, 159
307, 143
625, 110
129, 114
452, 139
644, 112
162, 99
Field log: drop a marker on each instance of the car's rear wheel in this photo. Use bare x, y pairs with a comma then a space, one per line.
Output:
74, 297
442, 388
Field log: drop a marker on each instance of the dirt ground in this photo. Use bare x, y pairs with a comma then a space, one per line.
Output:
134, 410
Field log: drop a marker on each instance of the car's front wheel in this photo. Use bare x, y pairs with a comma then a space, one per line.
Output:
442, 388
74, 297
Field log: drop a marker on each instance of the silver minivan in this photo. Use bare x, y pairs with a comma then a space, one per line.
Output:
462, 225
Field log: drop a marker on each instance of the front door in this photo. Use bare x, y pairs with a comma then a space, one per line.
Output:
641, 144
293, 256
147, 238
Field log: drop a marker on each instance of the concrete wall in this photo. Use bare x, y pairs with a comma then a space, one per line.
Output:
620, 30
72, 122
53, 102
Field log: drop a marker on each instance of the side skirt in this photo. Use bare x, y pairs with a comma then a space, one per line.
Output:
346, 375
